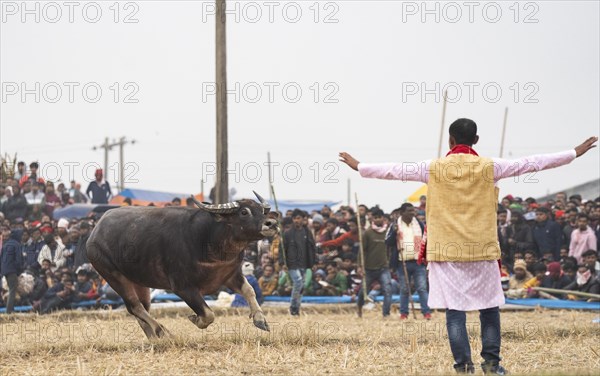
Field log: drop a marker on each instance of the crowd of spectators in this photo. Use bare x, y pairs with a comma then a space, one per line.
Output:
552, 244
43, 260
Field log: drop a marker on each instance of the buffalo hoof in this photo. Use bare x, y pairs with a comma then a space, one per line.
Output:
260, 322
162, 332
201, 322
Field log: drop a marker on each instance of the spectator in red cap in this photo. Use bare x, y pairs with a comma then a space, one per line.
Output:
99, 189
555, 278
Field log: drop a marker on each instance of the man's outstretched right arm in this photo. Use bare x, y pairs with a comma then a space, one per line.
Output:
408, 171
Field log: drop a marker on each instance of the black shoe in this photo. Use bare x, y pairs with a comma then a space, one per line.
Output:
464, 368
294, 312
493, 369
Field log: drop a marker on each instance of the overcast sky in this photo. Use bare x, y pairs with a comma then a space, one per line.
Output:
308, 80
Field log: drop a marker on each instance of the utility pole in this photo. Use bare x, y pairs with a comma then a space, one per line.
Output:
107, 147
503, 132
222, 183
122, 142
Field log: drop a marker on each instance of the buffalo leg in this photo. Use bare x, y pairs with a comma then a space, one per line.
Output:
127, 290
143, 294
239, 284
204, 315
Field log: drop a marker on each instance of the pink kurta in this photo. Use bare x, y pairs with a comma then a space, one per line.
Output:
581, 241
466, 286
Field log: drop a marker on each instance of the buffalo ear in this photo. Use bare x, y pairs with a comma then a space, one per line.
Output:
218, 217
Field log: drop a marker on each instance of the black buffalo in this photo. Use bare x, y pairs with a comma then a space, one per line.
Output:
189, 251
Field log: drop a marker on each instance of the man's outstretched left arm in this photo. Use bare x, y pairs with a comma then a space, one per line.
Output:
505, 168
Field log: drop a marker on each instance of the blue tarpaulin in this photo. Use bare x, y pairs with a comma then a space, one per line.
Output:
151, 196
76, 211
545, 303
306, 205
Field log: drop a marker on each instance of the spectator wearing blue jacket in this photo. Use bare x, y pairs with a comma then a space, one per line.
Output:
248, 272
547, 234
32, 249
11, 263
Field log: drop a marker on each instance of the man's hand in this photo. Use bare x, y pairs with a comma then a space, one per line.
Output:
349, 160
585, 146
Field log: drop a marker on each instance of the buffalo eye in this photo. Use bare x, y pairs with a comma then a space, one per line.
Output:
245, 212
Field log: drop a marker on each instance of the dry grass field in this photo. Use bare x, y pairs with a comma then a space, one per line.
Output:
324, 340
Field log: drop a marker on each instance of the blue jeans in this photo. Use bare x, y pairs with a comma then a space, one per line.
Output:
459, 338
384, 277
297, 276
419, 273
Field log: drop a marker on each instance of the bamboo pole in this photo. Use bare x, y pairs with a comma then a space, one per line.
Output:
362, 253
503, 132
281, 230
442, 126
407, 281
566, 292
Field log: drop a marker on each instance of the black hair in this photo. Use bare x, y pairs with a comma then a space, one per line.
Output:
583, 215
34, 165
333, 221
569, 266
570, 260
464, 131
348, 256
353, 220
539, 267
405, 206
297, 212
543, 209
49, 238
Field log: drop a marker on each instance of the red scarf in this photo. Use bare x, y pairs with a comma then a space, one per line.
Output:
458, 149
462, 149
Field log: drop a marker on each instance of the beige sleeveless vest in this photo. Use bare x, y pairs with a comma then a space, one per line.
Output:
461, 209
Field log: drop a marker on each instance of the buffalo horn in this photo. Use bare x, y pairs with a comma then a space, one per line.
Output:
227, 208
263, 202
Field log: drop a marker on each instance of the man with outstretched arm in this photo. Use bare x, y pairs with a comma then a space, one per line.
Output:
462, 242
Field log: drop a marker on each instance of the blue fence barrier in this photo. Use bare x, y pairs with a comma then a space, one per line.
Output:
557, 304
